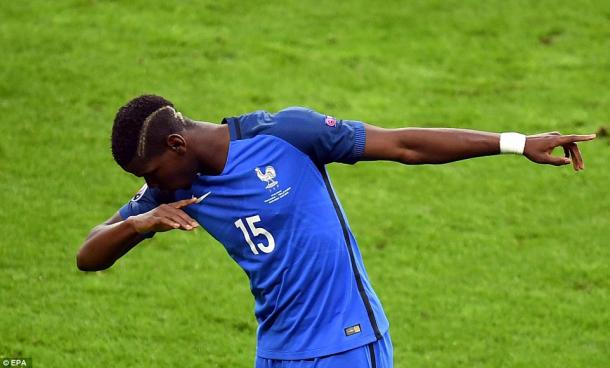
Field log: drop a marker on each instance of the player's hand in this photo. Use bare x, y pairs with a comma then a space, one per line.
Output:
165, 217
538, 148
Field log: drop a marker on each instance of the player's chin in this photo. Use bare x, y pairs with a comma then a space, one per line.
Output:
176, 186
187, 184
184, 184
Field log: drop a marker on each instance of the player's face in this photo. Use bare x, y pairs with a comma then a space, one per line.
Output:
168, 171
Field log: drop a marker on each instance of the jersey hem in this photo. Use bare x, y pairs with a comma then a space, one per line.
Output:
320, 352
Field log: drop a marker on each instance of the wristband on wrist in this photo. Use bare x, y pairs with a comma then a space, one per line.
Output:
512, 143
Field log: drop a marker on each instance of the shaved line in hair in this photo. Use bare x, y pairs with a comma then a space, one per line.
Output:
144, 131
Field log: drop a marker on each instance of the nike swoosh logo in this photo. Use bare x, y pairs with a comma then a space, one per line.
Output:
202, 197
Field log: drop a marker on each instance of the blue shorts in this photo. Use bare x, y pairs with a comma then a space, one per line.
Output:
378, 354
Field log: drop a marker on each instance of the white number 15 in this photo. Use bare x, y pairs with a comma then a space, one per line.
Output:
256, 231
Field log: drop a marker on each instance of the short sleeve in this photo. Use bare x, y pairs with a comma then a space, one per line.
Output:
143, 201
323, 138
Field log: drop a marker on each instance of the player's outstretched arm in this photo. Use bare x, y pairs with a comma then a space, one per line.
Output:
109, 241
417, 146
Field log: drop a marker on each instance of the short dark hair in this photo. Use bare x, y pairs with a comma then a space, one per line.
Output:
131, 136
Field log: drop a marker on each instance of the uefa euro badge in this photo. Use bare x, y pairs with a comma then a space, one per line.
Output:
268, 176
140, 193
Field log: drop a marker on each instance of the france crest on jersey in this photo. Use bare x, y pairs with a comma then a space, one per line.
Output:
274, 210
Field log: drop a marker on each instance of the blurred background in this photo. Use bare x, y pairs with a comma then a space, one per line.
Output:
491, 262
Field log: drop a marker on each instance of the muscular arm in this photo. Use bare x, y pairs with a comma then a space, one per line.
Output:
109, 241
106, 243
417, 146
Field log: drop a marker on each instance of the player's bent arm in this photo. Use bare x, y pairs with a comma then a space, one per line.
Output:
109, 241
417, 146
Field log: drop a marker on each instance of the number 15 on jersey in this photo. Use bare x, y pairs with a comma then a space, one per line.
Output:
256, 231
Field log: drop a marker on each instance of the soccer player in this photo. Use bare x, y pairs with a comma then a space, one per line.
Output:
258, 184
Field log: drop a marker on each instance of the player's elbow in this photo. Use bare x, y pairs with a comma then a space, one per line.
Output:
409, 157
86, 264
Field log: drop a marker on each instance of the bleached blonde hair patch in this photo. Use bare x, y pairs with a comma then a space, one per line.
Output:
144, 131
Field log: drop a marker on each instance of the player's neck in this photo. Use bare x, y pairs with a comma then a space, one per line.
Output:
210, 145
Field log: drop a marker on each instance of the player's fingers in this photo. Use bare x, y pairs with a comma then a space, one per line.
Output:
183, 203
173, 223
181, 217
545, 134
182, 224
168, 223
557, 160
576, 156
185, 217
566, 139
177, 216
566, 153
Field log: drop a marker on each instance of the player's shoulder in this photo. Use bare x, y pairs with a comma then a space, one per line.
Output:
284, 121
324, 138
153, 196
264, 117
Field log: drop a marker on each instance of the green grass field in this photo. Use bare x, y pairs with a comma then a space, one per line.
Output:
492, 262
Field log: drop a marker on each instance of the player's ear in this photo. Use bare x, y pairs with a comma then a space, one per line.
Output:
176, 143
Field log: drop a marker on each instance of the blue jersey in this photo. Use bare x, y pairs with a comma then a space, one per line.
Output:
275, 211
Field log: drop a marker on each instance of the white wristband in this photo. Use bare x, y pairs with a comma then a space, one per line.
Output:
512, 143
